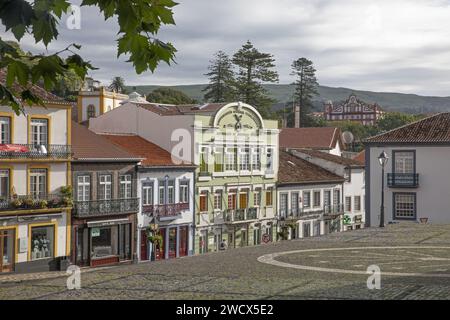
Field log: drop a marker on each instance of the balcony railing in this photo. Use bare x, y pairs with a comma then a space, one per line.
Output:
165, 210
33, 151
105, 207
403, 180
34, 202
235, 215
302, 212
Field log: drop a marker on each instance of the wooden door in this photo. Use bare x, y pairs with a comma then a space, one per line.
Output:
183, 241
243, 201
7, 250
144, 245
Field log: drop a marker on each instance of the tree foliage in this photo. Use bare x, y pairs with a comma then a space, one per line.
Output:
169, 96
254, 68
305, 87
139, 22
118, 85
221, 79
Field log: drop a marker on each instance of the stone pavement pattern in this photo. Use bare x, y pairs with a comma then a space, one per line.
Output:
236, 274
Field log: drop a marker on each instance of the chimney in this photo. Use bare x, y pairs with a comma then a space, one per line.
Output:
296, 116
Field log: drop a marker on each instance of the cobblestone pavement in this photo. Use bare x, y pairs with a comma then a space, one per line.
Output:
237, 274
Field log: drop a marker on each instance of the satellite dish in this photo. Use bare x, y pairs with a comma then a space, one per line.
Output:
347, 137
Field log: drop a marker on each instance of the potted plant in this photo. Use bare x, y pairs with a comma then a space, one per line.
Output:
42, 204
67, 202
53, 203
28, 202
16, 203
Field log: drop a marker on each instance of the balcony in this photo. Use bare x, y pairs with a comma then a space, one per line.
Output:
35, 203
32, 151
298, 213
165, 210
94, 208
239, 215
403, 180
330, 210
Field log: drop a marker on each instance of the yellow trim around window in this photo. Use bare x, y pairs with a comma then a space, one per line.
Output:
49, 124
30, 167
11, 177
16, 240
55, 235
11, 116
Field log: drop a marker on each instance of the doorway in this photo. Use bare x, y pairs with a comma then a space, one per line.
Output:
7, 250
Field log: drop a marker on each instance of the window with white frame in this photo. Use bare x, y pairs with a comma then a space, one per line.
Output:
404, 161
125, 186
38, 183
91, 111
147, 193
405, 205
283, 204
269, 159
357, 203
294, 201
161, 192
204, 159
256, 159
105, 187
244, 159
336, 197
257, 198
84, 188
316, 198
4, 184
232, 200
348, 204
184, 191
218, 159
39, 131
230, 163
171, 191
218, 200
5, 130
306, 199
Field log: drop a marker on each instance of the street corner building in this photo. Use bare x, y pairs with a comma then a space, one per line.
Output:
165, 187
416, 175
106, 201
35, 179
310, 198
235, 152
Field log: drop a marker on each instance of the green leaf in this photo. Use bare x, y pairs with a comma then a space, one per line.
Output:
17, 70
16, 14
8, 98
29, 98
44, 28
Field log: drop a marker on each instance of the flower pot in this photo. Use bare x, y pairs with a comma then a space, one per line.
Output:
423, 220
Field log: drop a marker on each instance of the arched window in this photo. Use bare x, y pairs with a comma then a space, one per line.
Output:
91, 111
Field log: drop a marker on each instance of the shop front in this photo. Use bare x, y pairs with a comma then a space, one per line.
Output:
175, 243
7, 249
103, 242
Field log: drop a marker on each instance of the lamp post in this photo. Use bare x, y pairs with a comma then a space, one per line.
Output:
383, 159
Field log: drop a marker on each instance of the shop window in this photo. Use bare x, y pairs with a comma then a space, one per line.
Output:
5, 130
4, 184
42, 242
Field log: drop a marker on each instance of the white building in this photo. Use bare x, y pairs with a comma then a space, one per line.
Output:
353, 188
417, 175
167, 199
309, 198
35, 160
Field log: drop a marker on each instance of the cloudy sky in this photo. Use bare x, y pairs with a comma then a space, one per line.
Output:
384, 45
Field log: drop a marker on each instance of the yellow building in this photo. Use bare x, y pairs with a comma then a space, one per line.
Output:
35, 203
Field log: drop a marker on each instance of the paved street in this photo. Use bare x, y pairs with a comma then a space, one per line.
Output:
418, 267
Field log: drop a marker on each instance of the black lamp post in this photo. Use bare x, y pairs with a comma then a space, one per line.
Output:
383, 159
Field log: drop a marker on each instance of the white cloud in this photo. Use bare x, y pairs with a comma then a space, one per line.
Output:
380, 46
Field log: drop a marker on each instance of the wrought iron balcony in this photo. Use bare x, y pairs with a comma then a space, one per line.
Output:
403, 180
302, 212
34, 202
105, 207
165, 210
236, 215
330, 210
35, 151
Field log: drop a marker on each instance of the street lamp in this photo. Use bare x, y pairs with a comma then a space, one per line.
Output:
383, 159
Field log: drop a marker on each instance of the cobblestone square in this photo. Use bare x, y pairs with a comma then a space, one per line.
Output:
415, 259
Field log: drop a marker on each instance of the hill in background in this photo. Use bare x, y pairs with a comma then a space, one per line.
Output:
410, 103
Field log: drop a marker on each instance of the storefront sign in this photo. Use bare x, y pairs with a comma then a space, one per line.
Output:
95, 232
23, 245
106, 223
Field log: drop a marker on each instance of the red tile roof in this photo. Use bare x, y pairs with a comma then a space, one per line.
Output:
152, 154
434, 129
40, 92
331, 157
361, 157
294, 170
86, 145
313, 138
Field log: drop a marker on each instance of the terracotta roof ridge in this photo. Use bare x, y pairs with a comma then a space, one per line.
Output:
405, 125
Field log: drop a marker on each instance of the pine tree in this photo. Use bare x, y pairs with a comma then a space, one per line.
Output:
221, 79
305, 86
254, 68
